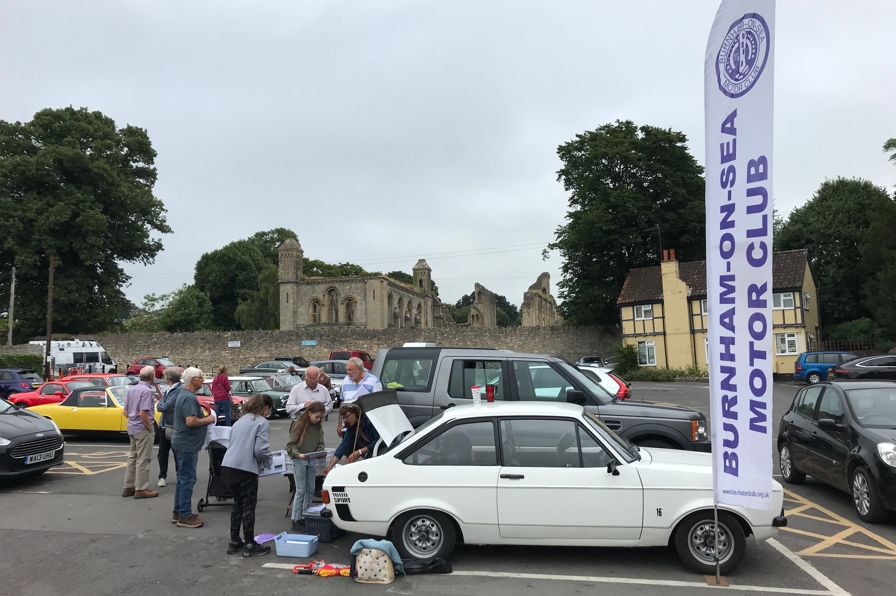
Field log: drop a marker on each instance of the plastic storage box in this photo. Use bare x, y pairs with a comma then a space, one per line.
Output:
295, 545
324, 528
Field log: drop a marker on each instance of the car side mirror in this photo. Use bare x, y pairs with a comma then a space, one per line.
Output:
575, 396
58, 394
611, 468
829, 423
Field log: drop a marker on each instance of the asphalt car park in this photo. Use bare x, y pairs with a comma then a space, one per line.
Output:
68, 531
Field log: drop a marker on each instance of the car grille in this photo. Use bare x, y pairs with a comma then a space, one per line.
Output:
38, 446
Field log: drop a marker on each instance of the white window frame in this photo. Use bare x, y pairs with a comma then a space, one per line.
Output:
704, 307
641, 308
789, 349
649, 353
779, 299
806, 298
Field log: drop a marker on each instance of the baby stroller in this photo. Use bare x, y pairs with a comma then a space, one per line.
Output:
216, 488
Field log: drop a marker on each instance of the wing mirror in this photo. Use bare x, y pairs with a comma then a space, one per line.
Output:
829, 423
575, 396
58, 394
611, 468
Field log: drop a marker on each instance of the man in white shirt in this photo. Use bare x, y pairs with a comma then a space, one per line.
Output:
358, 381
302, 395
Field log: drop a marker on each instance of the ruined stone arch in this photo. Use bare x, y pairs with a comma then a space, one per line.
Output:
332, 305
349, 306
418, 318
314, 312
400, 310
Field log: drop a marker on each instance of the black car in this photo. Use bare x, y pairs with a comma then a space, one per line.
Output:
868, 368
844, 434
29, 443
268, 367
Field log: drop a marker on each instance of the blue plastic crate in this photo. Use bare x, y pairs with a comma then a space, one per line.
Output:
295, 545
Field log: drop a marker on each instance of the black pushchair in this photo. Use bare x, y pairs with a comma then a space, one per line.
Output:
216, 488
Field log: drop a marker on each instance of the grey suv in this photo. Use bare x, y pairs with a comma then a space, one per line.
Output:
429, 380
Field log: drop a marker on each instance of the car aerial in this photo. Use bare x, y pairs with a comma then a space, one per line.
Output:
29, 443
102, 379
844, 434
812, 367
49, 393
159, 363
346, 354
269, 367
504, 473
92, 411
247, 386
613, 383
18, 380
867, 368
429, 380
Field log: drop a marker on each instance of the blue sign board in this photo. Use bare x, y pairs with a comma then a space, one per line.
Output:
309, 342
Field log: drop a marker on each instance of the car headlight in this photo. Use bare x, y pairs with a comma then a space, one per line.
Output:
698, 430
4, 442
56, 426
887, 452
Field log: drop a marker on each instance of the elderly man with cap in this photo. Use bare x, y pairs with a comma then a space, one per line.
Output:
307, 392
189, 437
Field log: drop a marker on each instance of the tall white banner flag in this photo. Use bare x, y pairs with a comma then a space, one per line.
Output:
739, 81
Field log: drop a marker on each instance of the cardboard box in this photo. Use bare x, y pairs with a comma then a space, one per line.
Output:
278, 465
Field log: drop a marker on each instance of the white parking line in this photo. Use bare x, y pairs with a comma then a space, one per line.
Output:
808, 568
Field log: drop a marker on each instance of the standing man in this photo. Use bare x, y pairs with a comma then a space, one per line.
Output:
358, 382
138, 410
171, 375
307, 392
189, 437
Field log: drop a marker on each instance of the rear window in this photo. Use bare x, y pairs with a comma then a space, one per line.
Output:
31, 376
407, 372
340, 355
811, 358
830, 358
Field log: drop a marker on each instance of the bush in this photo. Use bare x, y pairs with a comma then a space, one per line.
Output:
627, 359
664, 375
33, 362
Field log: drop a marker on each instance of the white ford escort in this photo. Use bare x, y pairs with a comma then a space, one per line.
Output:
538, 474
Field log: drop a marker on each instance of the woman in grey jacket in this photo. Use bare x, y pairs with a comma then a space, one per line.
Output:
248, 453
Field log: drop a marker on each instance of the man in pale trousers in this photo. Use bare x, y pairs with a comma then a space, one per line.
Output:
139, 412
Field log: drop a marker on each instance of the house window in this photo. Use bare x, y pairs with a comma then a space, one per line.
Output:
646, 353
785, 343
643, 312
704, 309
806, 298
782, 301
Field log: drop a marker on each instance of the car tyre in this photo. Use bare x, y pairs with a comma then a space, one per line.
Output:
788, 470
423, 535
694, 541
867, 502
813, 378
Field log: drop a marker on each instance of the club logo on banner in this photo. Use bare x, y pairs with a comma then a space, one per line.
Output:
739, 102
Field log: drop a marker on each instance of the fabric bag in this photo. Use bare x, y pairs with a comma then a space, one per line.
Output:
373, 566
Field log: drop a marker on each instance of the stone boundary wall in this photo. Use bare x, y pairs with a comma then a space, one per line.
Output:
209, 349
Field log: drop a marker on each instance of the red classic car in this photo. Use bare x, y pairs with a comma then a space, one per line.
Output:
49, 393
159, 363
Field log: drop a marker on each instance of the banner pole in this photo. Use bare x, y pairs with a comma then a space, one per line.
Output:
715, 510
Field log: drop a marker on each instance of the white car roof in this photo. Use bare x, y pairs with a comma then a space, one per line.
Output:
515, 408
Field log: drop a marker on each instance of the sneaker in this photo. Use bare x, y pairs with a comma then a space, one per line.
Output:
128, 492
174, 517
162, 482
235, 547
146, 494
298, 525
253, 549
190, 522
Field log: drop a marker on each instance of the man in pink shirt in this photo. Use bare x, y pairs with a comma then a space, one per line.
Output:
138, 410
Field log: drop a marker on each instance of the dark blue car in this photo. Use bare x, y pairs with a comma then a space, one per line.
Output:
812, 367
18, 380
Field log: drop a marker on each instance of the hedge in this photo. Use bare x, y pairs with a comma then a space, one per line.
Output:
664, 375
33, 362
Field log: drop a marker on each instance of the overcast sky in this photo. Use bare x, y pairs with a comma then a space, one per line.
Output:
386, 131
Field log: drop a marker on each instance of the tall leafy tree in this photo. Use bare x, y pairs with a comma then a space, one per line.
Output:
833, 225
269, 241
228, 275
628, 186
75, 186
188, 310
262, 309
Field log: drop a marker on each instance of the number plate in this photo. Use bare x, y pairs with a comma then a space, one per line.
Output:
33, 459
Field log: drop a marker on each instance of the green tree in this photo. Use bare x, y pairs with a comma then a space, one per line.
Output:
146, 319
890, 145
228, 275
189, 309
834, 226
405, 278
268, 242
262, 309
628, 186
75, 186
506, 314
316, 268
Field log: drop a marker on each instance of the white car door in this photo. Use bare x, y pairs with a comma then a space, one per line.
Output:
554, 484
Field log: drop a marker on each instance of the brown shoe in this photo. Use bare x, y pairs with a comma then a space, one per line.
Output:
175, 517
190, 522
128, 492
146, 494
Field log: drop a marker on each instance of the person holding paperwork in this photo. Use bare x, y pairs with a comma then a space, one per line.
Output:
306, 444
358, 439
248, 453
358, 382
307, 392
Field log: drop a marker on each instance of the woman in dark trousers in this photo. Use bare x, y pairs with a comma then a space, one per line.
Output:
358, 438
248, 453
171, 375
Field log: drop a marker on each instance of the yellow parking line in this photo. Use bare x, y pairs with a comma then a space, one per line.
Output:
816, 518
829, 541
797, 510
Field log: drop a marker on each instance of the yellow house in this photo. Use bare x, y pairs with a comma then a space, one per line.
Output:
663, 314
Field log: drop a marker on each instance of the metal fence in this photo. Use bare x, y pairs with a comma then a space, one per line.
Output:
863, 347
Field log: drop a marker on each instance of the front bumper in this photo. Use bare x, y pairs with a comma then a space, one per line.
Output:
780, 521
12, 456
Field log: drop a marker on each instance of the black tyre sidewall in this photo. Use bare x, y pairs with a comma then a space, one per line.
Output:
656, 444
448, 534
681, 538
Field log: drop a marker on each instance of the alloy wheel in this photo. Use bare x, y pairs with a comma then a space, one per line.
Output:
702, 542
786, 463
861, 494
422, 536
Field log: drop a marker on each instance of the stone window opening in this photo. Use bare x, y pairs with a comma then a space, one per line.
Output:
348, 306
314, 316
332, 305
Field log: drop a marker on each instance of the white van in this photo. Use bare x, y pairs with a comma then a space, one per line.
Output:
78, 356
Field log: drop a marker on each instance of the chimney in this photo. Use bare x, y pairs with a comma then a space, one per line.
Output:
665, 255
672, 254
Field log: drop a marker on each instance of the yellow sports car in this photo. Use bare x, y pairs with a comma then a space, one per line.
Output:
92, 410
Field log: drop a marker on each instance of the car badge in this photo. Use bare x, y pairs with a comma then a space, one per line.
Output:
39, 435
